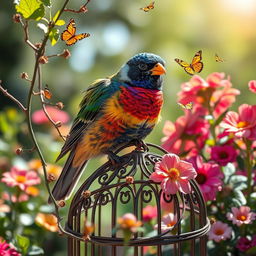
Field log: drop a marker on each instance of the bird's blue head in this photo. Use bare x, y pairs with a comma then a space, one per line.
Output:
143, 70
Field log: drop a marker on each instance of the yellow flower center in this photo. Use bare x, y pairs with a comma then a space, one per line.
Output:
173, 174
242, 124
200, 99
20, 179
219, 232
241, 217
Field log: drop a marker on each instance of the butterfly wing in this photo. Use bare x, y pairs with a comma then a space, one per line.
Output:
197, 64
75, 38
188, 106
69, 32
187, 67
149, 7
218, 59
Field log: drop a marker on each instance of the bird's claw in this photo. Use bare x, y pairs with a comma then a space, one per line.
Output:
141, 145
113, 158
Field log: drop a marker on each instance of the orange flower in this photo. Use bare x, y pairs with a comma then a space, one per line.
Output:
88, 229
35, 164
32, 191
47, 221
54, 170
129, 222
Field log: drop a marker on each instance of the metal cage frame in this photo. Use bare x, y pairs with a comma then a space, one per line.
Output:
112, 190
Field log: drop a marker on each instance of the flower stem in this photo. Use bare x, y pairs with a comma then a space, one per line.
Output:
249, 169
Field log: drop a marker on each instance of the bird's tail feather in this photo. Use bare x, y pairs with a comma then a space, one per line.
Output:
67, 180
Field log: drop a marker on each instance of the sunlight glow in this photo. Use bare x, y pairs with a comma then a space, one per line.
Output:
240, 6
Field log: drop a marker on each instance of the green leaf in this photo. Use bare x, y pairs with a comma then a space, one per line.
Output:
23, 243
35, 250
54, 36
30, 9
239, 198
236, 179
220, 118
60, 23
56, 16
47, 3
228, 170
251, 251
240, 162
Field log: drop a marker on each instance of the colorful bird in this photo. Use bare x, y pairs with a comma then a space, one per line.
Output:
114, 111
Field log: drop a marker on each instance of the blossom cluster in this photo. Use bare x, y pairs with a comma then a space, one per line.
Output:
220, 145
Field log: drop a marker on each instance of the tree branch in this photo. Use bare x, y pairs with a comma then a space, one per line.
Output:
7, 94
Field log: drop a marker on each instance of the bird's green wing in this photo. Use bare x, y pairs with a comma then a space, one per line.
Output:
94, 98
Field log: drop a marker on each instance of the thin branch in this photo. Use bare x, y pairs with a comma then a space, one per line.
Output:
39, 53
26, 33
7, 94
55, 124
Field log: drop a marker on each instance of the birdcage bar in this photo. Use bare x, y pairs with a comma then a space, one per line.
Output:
113, 191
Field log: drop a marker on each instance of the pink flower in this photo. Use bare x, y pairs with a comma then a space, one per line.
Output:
200, 91
252, 86
174, 174
149, 212
168, 222
243, 123
4, 207
20, 178
215, 92
243, 244
22, 197
188, 133
7, 249
39, 117
223, 154
208, 177
242, 215
222, 99
219, 231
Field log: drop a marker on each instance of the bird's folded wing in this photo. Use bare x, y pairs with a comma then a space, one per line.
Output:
94, 98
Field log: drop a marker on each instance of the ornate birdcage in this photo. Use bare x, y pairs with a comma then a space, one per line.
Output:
114, 189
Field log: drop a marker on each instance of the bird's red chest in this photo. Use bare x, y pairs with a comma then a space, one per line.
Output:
141, 103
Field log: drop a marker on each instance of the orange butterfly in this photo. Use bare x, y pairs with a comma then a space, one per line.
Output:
218, 59
149, 7
69, 35
195, 67
47, 93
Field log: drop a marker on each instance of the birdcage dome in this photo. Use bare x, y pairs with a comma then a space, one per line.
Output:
115, 189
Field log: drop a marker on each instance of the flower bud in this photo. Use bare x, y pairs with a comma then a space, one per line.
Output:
83, 9
16, 18
51, 177
59, 105
66, 54
43, 60
19, 151
61, 203
24, 75
86, 194
129, 180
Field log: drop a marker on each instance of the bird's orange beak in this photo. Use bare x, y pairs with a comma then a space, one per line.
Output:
157, 70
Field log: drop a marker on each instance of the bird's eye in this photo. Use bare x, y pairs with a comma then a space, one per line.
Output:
143, 66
